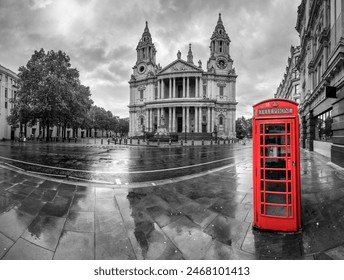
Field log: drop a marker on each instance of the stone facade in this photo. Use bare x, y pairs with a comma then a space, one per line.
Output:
321, 66
289, 88
183, 96
8, 87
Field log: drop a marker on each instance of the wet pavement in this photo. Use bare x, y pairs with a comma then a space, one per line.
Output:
203, 214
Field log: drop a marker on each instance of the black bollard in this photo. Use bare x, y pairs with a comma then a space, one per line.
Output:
202, 142
147, 141
181, 142
101, 141
192, 142
158, 142
108, 141
75, 139
131, 141
138, 141
169, 142
211, 142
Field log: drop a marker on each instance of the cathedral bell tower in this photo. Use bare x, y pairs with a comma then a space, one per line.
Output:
220, 60
146, 55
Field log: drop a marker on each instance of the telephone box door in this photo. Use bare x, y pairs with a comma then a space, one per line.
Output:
276, 184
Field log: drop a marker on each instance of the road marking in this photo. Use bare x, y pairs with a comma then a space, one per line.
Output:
118, 181
119, 172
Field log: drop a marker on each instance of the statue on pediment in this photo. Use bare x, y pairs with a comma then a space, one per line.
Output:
179, 54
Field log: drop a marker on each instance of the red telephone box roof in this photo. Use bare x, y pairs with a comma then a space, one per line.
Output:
276, 107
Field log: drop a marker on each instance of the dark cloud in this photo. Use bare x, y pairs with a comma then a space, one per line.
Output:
101, 39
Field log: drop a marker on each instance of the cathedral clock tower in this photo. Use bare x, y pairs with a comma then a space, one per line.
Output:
220, 60
146, 56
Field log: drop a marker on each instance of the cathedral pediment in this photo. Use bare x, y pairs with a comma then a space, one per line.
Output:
179, 65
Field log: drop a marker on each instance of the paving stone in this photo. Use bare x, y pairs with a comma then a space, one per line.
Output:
80, 221
45, 231
5, 244
14, 223
75, 246
188, 238
24, 250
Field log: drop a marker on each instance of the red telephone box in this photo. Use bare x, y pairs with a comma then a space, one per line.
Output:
276, 165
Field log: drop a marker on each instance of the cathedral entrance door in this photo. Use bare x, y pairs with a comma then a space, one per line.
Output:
204, 128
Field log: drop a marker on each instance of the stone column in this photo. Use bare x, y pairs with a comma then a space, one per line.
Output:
169, 119
159, 89
184, 121
188, 119
151, 120
174, 87
170, 88
159, 114
188, 87
174, 119
162, 89
200, 119
208, 121
196, 87
184, 91
196, 119
213, 119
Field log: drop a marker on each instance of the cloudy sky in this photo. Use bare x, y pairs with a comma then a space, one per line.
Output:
101, 36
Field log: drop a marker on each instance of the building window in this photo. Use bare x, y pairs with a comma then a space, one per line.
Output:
141, 94
6, 92
204, 90
323, 126
297, 90
221, 91
220, 46
141, 121
6, 104
221, 121
156, 92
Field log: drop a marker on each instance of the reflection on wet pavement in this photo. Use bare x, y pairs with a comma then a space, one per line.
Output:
204, 217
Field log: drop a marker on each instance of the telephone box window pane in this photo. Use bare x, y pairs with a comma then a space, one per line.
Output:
288, 127
261, 128
261, 185
276, 198
262, 209
275, 186
275, 140
275, 163
275, 174
276, 152
275, 128
289, 175
289, 198
289, 186
276, 210
262, 197
290, 211
261, 151
261, 140
262, 174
